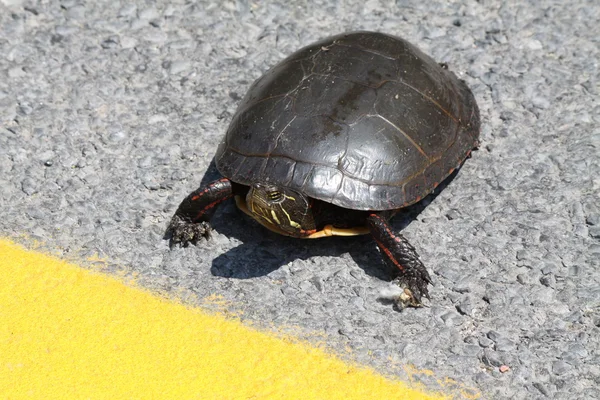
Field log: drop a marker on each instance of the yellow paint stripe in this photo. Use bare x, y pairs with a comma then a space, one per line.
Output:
68, 333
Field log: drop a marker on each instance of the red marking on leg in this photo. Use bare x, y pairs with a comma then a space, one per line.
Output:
209, 206
385, 226
389, 254
209, 187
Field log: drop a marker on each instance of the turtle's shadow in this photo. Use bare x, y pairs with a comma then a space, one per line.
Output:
263, 251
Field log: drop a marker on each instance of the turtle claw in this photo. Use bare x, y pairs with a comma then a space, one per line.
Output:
414, 288
184, 232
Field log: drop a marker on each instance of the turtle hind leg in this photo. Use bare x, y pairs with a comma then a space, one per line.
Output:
191, 220
399, 253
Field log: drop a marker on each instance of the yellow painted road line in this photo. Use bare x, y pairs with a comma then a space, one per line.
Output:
68, 333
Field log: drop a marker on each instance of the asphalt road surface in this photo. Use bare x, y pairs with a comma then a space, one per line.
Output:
110, 113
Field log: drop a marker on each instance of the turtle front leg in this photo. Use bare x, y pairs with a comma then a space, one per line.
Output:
191, 220
399, 253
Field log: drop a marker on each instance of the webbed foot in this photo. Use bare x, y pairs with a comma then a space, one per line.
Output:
414, 288
184, 232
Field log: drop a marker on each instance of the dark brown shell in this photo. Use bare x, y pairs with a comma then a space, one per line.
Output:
362, 120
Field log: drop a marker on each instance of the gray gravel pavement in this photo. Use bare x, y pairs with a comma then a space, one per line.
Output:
110, 113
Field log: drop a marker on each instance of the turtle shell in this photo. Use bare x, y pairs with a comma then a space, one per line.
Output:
362, 120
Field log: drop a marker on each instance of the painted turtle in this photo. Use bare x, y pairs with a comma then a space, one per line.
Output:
334, 140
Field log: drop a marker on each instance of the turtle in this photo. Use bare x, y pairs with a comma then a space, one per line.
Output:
336, 139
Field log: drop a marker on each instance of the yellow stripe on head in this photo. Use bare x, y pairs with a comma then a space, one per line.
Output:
274, 215
292, 223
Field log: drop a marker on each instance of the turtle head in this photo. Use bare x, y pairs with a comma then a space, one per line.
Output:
281, 209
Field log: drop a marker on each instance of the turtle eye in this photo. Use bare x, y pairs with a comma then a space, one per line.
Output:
274, 195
